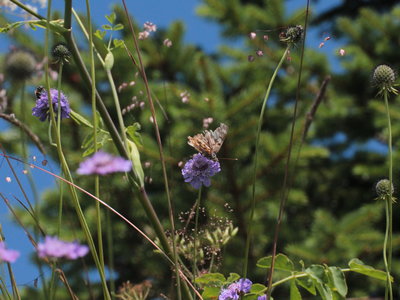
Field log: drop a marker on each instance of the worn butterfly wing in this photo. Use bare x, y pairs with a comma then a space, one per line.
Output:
209, 142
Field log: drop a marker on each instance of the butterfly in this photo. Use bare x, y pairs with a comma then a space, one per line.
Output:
38, 91
209, 142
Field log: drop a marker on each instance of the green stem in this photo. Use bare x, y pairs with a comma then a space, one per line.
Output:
65, 167
110, 250
387, 248
60, 205
196, 229
95, 122
253, 200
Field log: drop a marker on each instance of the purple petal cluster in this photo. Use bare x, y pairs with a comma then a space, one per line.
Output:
42, 108
236, 289
55, 248
263, 297
102, 163
7, 255
198, 170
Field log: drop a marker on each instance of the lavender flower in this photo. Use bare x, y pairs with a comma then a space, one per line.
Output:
41, 109
263, 297
55, 248
102, 163
236, 289
198, 170
7, 255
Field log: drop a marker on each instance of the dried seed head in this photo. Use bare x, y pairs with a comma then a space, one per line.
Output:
61, 53
383, 78
292, 35
383, 188
20, 65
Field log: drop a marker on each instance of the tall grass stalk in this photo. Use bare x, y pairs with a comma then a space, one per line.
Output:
195, 236
65, 167
387, 247
161, 152
253, 199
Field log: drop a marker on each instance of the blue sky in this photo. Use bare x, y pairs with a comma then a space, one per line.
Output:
160, 12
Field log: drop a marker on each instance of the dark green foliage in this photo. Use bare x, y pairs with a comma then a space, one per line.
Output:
331, 216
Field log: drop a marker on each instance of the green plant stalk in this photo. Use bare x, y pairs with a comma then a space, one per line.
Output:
196, 229
65, 167
110, 250
60, 205
94, 112
161, 153
253, 200
387, 248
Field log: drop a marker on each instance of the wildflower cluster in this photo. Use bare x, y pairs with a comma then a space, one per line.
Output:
41, 109
102, 163
383, 79
235, 290
55, 248
7, 255
198, 170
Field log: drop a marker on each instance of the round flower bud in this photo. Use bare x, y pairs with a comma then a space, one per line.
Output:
292, 35
20, 65
383, 78
61, 53
383, 188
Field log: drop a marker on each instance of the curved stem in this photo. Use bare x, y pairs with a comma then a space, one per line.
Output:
387, 247
196, 229
253, 200
60, 205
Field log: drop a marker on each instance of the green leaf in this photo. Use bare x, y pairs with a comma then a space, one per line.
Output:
320, 278
210, 293
358, 266
106, 27
211, 279
132, 131
100, 34
307, 283
294, 291
258, 288
337, 280
117, 27
282, 262
232, 277
250, 297
79, 119
111, 18
118, 43
137, 165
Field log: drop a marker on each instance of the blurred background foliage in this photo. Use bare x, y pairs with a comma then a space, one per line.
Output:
331, 215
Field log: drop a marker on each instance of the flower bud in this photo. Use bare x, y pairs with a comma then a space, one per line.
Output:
20, 65
383, 78
292, 35
383, 188
61, 53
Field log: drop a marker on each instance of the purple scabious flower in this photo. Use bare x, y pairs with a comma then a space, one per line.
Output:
7, 255
55, 248
263, 297
102, 163
234, 290
198, 170
42, 108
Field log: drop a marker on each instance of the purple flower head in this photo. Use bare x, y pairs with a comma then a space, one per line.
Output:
7, 255
234, 290
263, 297
102, 163
199, 169
42, 108
55, 248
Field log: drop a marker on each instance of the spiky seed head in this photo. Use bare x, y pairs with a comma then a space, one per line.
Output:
61, 53
19, 65
383, 79
383, 188
292, 35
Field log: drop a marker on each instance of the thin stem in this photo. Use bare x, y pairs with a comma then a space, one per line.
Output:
253, 200
65, 167
387, 248
60, 205
196, 229
161, 152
